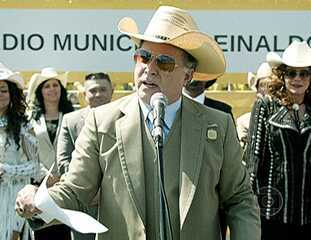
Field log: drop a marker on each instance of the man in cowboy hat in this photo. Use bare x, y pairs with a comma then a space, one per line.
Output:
258, 83
115, 152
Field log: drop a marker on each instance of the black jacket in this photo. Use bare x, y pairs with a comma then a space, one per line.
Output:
218, 105
279, 159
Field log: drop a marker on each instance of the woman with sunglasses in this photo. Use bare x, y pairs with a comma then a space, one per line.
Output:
279, 153
19, 162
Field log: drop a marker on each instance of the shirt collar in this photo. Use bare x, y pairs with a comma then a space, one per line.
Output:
199, 99
170, 111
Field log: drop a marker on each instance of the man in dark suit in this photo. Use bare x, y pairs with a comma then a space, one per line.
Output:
195, 90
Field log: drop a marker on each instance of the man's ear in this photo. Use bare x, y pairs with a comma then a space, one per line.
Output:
188, 76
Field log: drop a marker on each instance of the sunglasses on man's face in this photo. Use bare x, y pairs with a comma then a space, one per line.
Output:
164, 62
292, 73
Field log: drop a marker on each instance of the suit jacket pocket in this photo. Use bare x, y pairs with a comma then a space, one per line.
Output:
108, 154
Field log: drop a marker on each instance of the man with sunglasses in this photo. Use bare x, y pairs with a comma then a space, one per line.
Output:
115, 152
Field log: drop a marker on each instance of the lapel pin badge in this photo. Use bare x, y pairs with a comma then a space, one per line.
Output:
212, 134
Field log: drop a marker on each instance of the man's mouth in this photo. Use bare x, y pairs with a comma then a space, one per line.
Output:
150, 85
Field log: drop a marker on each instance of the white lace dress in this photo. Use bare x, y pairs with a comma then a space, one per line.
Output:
19, 167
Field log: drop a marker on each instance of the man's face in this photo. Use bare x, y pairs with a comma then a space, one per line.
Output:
97, 92
149, 78
262, 86
195, 88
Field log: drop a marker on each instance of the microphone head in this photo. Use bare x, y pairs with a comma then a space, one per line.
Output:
295, 107
158, 97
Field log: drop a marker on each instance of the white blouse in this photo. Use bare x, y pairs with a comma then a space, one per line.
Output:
19, 165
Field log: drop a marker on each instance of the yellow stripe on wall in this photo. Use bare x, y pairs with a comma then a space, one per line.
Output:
119, 78
152, 4
241, 101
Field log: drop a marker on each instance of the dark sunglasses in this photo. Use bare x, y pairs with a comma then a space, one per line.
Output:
292, 73
164, 62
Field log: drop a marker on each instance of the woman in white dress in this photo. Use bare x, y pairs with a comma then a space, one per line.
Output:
19, 162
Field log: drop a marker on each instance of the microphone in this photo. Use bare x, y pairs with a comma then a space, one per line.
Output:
158, 102
296, 114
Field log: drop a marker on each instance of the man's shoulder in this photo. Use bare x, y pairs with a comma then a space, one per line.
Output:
213, 103
206, 111
75, 116
112, 110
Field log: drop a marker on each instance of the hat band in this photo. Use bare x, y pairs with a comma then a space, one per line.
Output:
161, 37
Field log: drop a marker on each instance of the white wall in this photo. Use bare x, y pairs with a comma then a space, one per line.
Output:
32, 39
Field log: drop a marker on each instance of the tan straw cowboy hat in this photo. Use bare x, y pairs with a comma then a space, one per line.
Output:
176, 27
263, 71
14, 77
297, 54
38, 78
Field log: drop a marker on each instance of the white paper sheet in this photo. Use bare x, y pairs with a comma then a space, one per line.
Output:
79, 221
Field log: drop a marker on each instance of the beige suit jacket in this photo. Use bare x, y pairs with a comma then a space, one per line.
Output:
71, 127
108, 156
47, 149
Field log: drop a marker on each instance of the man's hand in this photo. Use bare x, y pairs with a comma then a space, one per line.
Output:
52, 179
24, 204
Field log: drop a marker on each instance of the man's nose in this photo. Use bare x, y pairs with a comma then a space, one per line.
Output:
152, 66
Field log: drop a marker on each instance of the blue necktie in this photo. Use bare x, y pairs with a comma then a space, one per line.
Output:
149, 122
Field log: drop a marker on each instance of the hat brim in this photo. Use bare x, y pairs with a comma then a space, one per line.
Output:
275, 60
210, 57
15, 78
252, 81
37, 79
18, 80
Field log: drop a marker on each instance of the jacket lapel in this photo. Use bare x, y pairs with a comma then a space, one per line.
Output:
80, 123
191, 155
306, 123
129, 140
283, 119
41, 130
60, 119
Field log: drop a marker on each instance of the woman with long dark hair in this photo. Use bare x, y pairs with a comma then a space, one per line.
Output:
48, 102
19, 161
279, 153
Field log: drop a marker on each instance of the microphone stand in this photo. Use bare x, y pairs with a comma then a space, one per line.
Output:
164, 220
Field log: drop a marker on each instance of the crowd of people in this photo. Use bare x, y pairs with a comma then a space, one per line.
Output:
252, 177
38, 133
